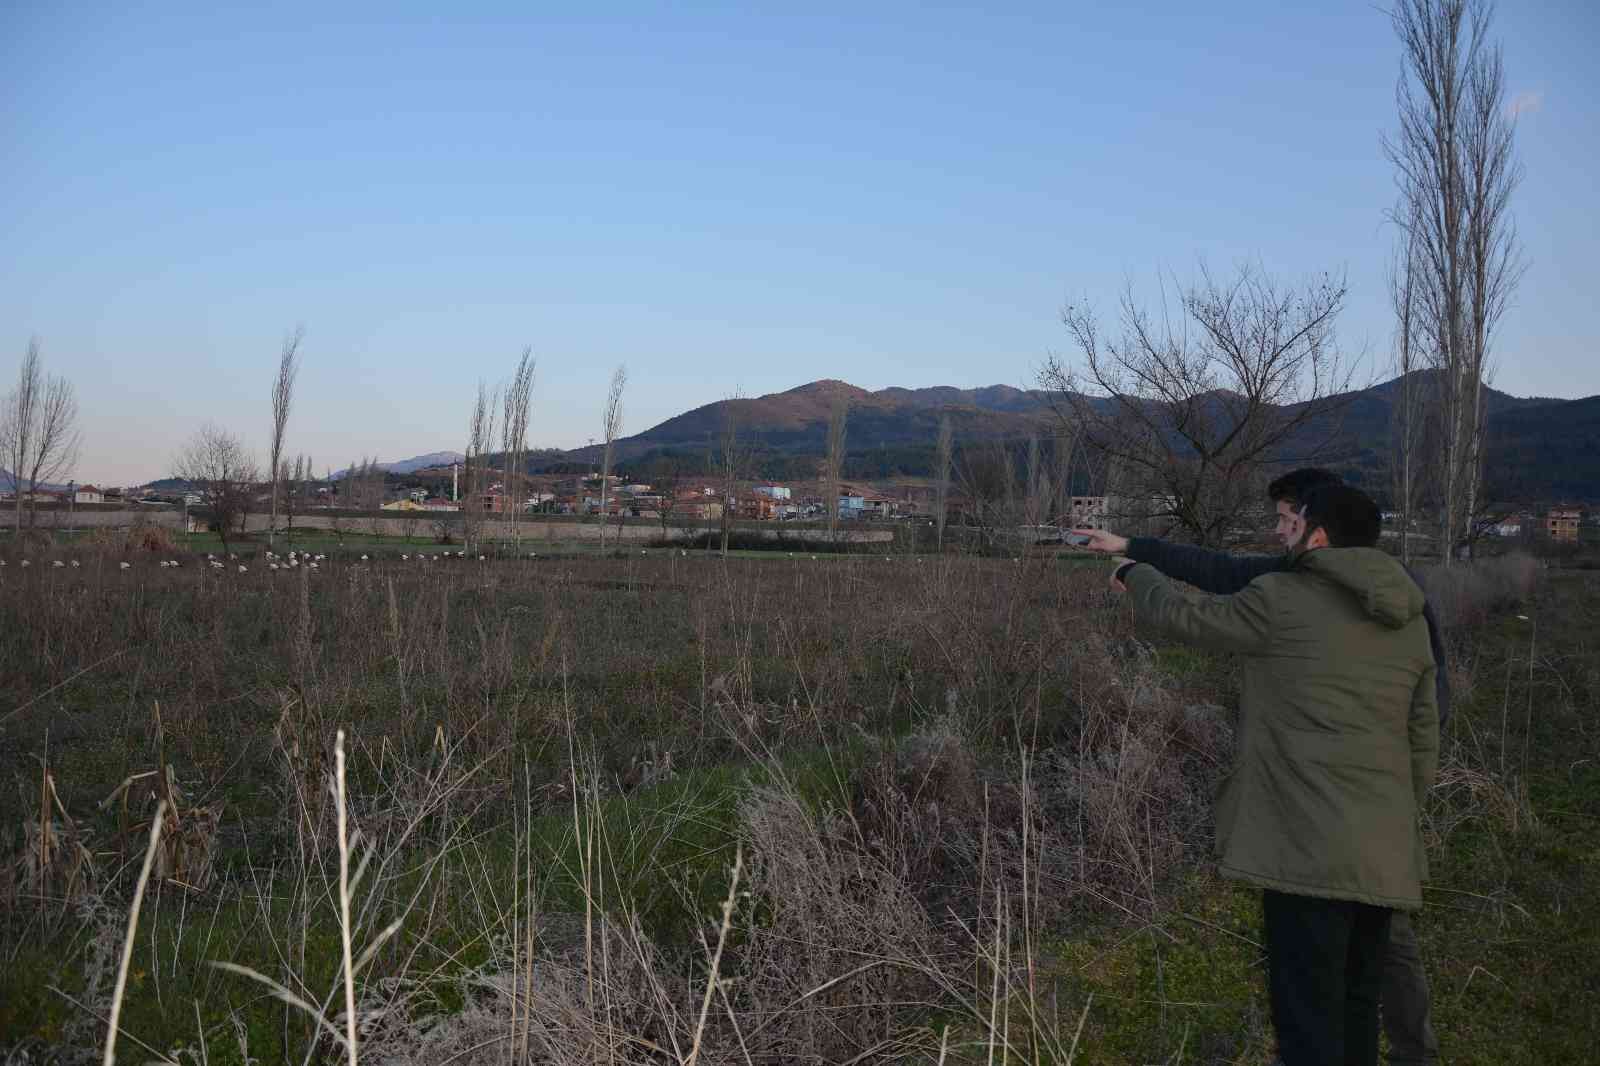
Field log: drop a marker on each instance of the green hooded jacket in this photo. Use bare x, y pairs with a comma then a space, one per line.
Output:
1338, 737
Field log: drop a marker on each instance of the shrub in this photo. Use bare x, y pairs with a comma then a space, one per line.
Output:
1465, 594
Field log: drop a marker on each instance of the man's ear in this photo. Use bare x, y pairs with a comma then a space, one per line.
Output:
1317, 538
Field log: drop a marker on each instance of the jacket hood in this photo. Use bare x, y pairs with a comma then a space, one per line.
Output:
1384, 589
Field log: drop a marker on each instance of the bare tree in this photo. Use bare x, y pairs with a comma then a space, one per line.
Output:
347, 487
833, 461
377, 484
1494, 261
941, 502
518, 397
730, 462
665, 484
1456, 169
1039, 504
480, 437
1408, 421
1192, 418
611, 428
216, 463
39, 437
986, 474
373, 481
1136, 513
294, 486
1063, 452
282, 399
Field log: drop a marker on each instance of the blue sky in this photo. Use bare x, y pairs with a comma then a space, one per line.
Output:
720, 196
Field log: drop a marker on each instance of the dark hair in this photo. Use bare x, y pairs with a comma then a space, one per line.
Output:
1293, 486
1346, 514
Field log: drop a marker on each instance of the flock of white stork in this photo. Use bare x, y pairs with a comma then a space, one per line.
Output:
294, 560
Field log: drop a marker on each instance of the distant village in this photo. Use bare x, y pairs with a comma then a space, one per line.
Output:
702, 501
615, 496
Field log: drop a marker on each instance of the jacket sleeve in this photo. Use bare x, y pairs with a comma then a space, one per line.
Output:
1222, 573
1238, 623
1442, 682
1423, 727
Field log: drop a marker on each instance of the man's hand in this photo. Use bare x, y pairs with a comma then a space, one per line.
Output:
1116, 574
1101, 540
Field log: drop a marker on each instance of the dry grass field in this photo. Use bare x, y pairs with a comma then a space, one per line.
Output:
669, 808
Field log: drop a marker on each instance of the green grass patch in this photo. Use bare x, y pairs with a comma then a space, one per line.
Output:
661, 853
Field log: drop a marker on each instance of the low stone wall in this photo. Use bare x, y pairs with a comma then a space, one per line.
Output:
536, 529
413, 524
100, 518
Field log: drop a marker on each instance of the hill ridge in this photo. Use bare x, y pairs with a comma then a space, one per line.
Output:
900, 425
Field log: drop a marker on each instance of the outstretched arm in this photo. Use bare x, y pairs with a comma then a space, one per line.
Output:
1423, 727
1237, 623
1436, 642
1221, 573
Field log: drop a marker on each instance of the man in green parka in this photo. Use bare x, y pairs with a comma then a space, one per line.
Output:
1338, 743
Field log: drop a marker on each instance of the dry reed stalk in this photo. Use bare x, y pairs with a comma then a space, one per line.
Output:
351, 966
110, 1056
46, 837
59, 685
716, 957
344, 905
1077, 1034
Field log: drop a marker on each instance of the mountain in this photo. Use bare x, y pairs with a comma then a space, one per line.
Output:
9, 482
168, 486
420, 462
415, 463
796, 422
1538, 447
1546, 451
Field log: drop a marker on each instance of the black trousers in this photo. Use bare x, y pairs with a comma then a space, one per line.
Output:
1407, 1016
1325, 969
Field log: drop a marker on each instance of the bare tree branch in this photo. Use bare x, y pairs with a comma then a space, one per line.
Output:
217, 464
480, 438
1188, 420
518, 401
611, 427
282, 400
833, 462
942, 494
39, 436
1454, 163
730, 462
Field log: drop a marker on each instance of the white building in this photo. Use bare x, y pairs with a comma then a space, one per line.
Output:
774, 492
